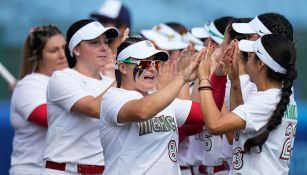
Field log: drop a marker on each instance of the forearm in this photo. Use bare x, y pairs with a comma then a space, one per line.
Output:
148, 106
195, 93
90, 106
184, 93
209, 110
236, 98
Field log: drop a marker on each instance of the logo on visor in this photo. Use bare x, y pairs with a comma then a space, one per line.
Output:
259, 52
148, 44
261, 32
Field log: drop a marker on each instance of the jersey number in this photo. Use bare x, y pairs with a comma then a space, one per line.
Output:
237, 159
205, 136
172, 150
287, 146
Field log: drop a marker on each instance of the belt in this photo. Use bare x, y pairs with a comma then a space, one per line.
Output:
201, 169
184, 167
223, 167
82, 169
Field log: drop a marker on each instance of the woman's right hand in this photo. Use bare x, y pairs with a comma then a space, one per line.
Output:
225, 60
204, 69
233, 73
187, 63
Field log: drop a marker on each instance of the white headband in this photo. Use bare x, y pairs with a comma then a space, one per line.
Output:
257, 47
141, 50
90, 31
254, 26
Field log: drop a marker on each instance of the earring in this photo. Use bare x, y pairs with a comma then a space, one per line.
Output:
77, 53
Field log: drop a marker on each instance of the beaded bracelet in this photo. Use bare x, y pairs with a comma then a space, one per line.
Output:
205, 88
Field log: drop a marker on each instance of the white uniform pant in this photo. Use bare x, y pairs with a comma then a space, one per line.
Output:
28, 169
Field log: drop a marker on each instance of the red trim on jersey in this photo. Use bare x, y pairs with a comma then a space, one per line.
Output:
39, 115
194, 122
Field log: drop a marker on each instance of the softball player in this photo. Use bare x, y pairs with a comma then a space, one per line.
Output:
139, 130
265, 124
204, 153
43, 54
74, 100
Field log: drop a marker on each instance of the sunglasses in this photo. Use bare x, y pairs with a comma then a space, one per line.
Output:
144, 64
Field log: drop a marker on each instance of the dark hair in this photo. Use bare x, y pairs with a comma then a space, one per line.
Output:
129, 41
277, 24
33, 47
181, 29
282, 50
239, 36
70, 32
222, 23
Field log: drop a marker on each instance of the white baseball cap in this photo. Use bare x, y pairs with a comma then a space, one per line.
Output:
167, 38
91, 31
254, 26
257, 47
142, 50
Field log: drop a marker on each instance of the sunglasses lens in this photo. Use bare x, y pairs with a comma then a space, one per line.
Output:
157, 64
144, 64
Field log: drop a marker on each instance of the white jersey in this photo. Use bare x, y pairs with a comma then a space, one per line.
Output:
29, 138
276, 151
136, 148
72, 137
248, 88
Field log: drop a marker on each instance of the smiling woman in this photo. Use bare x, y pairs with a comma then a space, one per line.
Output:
138, 128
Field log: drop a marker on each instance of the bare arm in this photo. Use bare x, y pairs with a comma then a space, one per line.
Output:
148, 106
216, 121
89, 105
236, 98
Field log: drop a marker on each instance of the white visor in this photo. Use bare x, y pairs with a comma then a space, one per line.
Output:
165, 37
217, 36
257, 47
200, 32
111, 8
91, 31
188, 38
142, 50
254, 26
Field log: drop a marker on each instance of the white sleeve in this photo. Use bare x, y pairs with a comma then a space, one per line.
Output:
182, 110
28, 96
112, 102
65, 90
256, 112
